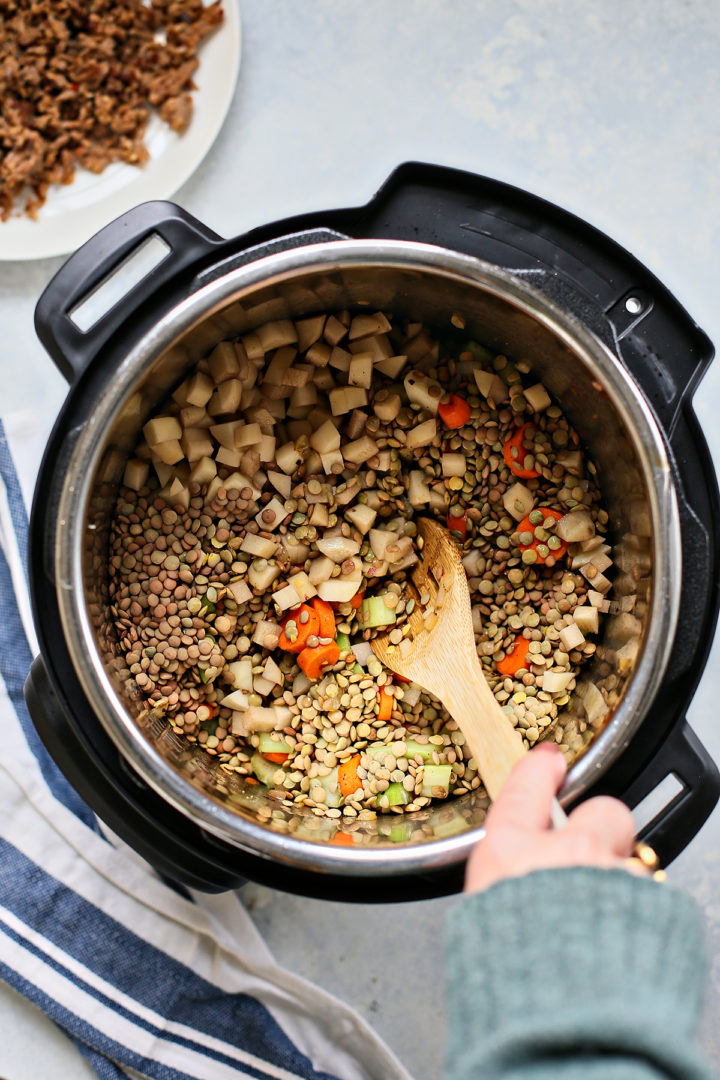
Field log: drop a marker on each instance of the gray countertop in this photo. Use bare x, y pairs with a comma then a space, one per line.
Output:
609, 110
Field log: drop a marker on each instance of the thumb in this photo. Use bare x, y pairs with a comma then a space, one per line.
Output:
526, 796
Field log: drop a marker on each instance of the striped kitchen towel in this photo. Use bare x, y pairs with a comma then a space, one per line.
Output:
145, 980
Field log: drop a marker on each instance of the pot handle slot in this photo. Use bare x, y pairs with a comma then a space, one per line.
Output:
112, 275
685, 779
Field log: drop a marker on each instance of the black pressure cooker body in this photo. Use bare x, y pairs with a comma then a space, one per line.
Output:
585, 273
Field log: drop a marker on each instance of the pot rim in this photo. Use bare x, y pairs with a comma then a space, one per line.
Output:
639, 421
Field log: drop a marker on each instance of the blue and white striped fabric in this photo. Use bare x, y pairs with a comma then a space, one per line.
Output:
144, 980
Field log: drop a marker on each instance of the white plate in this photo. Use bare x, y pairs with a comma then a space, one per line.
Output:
73, 212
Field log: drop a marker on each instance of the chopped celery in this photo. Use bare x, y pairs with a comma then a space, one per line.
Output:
331, 787
399, 832
480, 352
272, 745
373, 612
356, 669
343, 642
264, 770
436, 777
425, 750
449, 823
396, 795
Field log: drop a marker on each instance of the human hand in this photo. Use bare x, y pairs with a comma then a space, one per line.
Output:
518, 833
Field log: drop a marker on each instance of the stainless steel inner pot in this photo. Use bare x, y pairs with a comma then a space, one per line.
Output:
423, 283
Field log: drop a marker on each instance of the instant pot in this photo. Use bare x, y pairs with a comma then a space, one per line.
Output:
604, 335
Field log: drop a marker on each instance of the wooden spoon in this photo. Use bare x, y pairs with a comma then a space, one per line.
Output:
444, 661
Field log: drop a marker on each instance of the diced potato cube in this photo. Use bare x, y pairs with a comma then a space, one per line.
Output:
197, 389
288, 457
392, 366
321, 570
247, 435
281, 482
378, 346
454, 465
355, 426
203, 471
302, 399
298, 375
361, 516
359, 450
196, 443
555, 682
273, 335
259, 547
319, 354
267, 447
136, 474
364, 325
224, 361
226, 399
343, 399
586, 617
360, 370
286, 598
421, 435
226, 433
231, 458
237, 700
334, 331
537, 397
387, 405
302, 585
491, 385
422, 390
279, 366
571, 637
518, 500
309, 331
326, 438
177, 494
272, 515
332, 463
272, 672
241, 672
162, 429
170, 452
576, 526
240, 592
418, 490
340, 359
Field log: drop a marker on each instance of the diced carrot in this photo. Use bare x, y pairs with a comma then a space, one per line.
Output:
454, 413
343, 839
314, 661
401, 679
386, 702
356, 600
515, 462
326, 617
304, 629
458, 525
516, 658
540, 547
348, 778
251, 780
278, 759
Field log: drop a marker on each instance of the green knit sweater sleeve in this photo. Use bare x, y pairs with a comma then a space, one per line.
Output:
570, 974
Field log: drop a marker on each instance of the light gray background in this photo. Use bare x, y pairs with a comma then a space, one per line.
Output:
610, 110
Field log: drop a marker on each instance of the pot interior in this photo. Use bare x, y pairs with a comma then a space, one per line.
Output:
505, 317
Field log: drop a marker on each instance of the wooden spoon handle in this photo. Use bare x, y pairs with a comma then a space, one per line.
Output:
495, 744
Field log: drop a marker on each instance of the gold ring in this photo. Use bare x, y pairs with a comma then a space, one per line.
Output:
646, 857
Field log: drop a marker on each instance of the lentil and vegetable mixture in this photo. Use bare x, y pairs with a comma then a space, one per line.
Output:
265, 531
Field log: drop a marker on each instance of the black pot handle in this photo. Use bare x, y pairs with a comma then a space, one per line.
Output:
187, 241
683, 757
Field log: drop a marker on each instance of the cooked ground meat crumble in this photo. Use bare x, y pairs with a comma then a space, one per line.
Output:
78, 80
